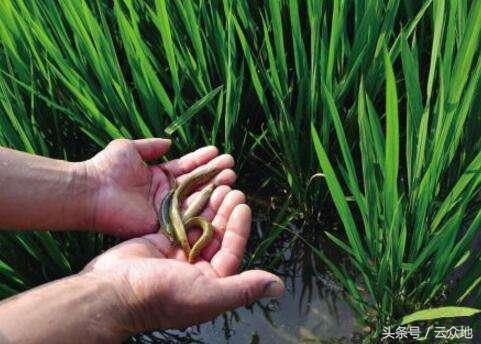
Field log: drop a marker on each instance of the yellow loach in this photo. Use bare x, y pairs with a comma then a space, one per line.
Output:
175, 225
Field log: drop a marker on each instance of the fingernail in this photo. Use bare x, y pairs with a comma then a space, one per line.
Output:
273, 289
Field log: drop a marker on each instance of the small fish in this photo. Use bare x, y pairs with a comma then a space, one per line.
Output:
164, 218
207, 233
199, 202
173, 224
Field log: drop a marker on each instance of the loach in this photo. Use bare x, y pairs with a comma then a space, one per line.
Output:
175, 225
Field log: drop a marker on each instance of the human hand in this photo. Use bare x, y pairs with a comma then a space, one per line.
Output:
157, 289
141, 284
128, 192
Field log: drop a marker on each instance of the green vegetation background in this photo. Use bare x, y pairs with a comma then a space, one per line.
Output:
359, 113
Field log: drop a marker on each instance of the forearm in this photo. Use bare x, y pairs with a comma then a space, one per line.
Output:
42, 193
78, 309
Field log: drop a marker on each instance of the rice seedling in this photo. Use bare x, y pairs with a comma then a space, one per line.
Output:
417, 192
303, 45
376, 98
137, 69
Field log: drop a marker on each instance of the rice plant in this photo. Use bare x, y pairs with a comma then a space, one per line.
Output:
417, 184
366, 105
141, 69
300, 46
133, 69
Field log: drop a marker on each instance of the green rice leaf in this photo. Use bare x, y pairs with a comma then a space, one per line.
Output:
439, 313
192, 111
391, 164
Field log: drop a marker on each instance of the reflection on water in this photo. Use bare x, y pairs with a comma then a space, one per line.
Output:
320, 317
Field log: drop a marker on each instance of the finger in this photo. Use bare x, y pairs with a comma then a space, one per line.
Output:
191, 160
226, 177
153, 148
219, 222
166, 247
209, 212
229, 257
214, 202
246, 288
159, 187
206, 269
208, 297
222, 162
234, 198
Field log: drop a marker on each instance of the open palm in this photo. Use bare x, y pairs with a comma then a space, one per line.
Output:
150, 274
163, 291
129, 191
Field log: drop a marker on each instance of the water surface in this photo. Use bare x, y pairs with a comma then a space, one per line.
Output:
316, 316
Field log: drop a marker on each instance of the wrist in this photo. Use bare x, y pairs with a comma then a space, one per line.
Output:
43, 193
111, 315
84, 186
77, 309
139, 308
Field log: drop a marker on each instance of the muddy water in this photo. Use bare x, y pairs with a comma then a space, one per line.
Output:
321, 317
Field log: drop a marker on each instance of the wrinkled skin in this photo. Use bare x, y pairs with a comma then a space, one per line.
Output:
162, 290
130, 191
144, 283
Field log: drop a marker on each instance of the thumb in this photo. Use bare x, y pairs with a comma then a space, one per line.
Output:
246, 288
152, 148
